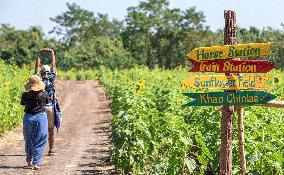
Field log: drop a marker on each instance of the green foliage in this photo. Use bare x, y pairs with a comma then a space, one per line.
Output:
90, 41
152, 34
158, 35
153, 134
12, 79
148, 135
95, 52
77, 25
74, 74
20, 47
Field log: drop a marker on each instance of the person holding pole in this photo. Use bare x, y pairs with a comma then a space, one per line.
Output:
48, 76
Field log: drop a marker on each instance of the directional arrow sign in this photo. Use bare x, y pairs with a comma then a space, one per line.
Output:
229, 98
226, 82
232, 66
230, 51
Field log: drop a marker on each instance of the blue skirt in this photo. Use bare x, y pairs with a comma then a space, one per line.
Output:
35, 128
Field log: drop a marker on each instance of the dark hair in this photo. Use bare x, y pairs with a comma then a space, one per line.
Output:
35, 94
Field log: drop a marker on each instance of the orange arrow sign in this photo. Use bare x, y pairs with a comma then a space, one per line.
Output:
227, 82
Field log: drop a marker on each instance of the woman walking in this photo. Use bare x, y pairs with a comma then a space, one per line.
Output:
35, 125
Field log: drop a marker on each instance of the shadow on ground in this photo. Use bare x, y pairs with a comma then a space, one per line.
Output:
97, 156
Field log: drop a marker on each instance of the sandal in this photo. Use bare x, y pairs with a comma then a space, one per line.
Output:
51, 153
29, 166
35, 167
29, 163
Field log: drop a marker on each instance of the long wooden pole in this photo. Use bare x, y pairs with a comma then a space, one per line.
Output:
273, 103
227, 111
241, 137
270, 104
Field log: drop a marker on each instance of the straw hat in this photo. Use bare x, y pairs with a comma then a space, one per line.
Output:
34, 83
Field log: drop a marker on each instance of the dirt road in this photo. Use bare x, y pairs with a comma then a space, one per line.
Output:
82, 145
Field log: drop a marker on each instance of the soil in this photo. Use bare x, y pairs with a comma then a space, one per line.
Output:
83, 143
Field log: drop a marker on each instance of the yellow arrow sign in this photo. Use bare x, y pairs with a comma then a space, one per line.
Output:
230, 51
227, 82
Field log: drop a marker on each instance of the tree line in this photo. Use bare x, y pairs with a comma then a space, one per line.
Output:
152, 34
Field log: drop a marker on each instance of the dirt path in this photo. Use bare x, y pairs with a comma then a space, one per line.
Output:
82, 145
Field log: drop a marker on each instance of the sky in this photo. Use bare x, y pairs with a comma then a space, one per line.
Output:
259, 13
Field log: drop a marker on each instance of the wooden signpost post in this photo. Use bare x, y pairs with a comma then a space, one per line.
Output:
225, 59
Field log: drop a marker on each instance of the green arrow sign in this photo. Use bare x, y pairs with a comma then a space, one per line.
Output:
229, 98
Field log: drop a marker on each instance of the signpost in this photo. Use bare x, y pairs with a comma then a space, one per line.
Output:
232, 66
225, 59
230, 51
227, 82
229, 98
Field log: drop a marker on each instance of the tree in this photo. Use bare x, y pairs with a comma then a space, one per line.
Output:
77, 24
91, 40
20, 47
155, 34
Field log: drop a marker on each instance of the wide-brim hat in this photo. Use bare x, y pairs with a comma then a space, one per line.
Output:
34, 83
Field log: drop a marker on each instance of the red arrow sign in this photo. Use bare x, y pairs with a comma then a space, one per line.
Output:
232, 66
